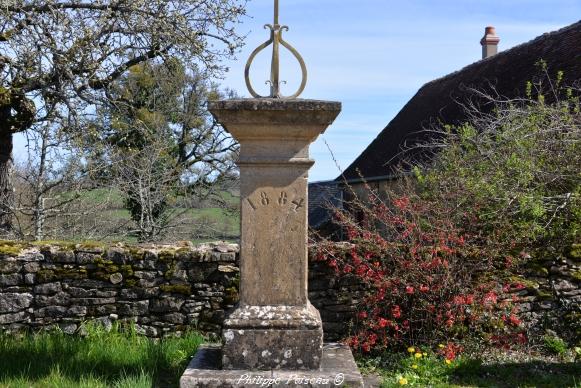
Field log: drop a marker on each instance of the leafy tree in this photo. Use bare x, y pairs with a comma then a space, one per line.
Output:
58, 57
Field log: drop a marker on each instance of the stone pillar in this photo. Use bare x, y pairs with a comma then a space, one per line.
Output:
275, 326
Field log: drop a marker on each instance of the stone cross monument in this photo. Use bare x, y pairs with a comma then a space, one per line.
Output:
274, 328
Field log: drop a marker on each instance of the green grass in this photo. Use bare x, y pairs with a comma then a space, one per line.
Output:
432, 371
100, 359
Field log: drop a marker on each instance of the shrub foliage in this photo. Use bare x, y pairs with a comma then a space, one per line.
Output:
438, 258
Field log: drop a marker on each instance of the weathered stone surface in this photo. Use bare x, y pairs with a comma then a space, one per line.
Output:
116, 278
93, 301
31, 267
9, 265
10, 280
275, 326
564, 285
69, 328
60, 299
77, 311
11, 318
133, 308
166, 304
139, 293
29, 279
273, 337
175, 318
338, 369
51, 311
218, 291
12, 302
63, 256
77, 292
86, 258
48, 288
274, 162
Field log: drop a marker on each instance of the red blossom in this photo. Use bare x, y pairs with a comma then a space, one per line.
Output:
396, 312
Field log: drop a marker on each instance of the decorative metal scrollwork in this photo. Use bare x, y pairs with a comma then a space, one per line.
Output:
276, 40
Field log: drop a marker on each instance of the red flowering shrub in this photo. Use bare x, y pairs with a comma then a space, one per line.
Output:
424, 276
499, 188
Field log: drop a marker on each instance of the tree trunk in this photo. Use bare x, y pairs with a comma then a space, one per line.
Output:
6, 186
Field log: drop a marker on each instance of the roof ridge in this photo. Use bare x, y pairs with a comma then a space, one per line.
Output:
509, 51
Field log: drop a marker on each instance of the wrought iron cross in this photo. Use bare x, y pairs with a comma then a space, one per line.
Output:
276, 40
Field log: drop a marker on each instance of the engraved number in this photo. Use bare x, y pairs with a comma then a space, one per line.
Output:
298, 204
283, 200
264, 199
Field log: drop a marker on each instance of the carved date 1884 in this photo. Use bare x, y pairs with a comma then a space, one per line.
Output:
282, 200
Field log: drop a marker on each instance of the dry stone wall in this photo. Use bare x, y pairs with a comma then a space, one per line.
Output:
167, 289
163, 289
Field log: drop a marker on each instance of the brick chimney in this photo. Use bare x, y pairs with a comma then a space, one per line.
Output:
489, 42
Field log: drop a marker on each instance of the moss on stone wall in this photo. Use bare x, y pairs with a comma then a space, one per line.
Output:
184, 289
11, 248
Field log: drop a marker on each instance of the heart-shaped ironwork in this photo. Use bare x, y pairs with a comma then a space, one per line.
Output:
276, 40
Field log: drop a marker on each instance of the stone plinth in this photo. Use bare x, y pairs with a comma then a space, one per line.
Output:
338, 369
275, 326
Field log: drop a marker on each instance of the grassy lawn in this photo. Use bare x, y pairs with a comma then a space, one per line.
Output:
99, 359
505, 370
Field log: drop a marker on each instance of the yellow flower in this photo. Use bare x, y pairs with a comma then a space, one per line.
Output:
414, 366
424, 354
418, 355
411, 349
403, 381
448, 361
441, 346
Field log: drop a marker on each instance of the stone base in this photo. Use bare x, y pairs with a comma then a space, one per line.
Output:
338, 369
273, 337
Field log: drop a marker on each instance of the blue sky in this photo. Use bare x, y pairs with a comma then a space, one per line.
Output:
373, 55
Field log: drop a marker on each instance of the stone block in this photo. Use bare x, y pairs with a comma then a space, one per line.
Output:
59, 299
51, 311
133, 308
65, 257
166, 304
15, 317
93, 301
9, 265
13, 302
48, 288
31, 267
273, 337
175, 318
8, 280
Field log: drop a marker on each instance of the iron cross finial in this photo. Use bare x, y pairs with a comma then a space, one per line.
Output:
276, 40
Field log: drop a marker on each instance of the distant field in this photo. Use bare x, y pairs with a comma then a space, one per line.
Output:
107, 219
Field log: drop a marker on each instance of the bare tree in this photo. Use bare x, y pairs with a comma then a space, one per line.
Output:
59, 57
50, 182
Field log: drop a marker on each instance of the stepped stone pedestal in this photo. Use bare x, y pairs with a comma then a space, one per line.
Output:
274, 328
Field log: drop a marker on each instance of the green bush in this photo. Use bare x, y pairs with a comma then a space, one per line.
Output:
513, 175
555, 344
502, 187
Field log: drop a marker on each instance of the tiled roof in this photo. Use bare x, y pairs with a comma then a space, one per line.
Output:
438, 100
